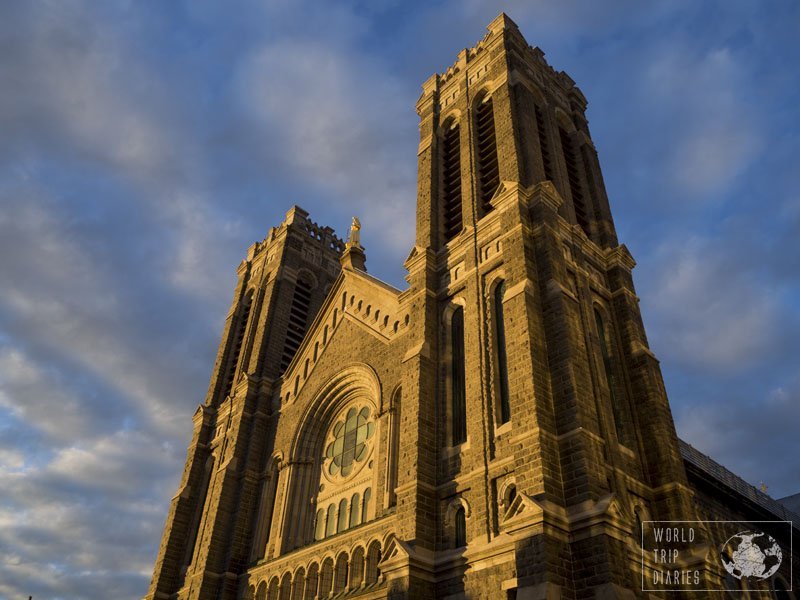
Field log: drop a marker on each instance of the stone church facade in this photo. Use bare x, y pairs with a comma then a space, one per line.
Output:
498, 429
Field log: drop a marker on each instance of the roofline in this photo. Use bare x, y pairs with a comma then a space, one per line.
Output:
725, 477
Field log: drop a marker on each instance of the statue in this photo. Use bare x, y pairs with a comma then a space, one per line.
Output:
354, 239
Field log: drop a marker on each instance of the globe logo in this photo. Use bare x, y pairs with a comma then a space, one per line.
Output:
751, 554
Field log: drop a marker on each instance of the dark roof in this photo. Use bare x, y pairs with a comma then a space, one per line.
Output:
791, 502
716, 471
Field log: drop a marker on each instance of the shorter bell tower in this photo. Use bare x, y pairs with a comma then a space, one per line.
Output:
210, 527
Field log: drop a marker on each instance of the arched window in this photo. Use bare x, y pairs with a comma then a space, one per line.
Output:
458, 378
616, 405
203, 497
348, 456
330, 527
372, 572
488, 173
272, 590
365, 507
286, 587
261, 594
343, 516
460, 527
355, 510
393, 460
340, 578
575, 188
357, 568
451, 181
236, 349
312, 580
266, 507
509, 496
298, 318
326, 578
544, 144
502, 358
298, 584
319, 529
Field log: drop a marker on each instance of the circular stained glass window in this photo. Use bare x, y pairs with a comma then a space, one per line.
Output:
349, 445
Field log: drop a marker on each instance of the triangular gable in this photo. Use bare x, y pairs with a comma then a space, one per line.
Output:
523, 506
357, 297
504, 187
526, 511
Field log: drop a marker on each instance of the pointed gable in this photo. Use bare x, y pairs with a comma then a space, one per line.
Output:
357, 297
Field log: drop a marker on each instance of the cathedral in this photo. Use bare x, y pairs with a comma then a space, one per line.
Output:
497, 429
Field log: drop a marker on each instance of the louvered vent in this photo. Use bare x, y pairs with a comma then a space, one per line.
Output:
298, 318
237, 348
488, 173
451, 180
574, 181
543, 145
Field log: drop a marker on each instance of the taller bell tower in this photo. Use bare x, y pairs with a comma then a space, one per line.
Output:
555, 436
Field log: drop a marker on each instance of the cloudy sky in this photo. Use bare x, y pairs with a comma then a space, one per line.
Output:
144, 145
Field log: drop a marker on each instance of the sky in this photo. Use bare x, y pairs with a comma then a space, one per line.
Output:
145, 145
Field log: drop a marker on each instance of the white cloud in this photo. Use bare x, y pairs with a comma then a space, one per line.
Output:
335, 118
716, 132
69, 302
86, 514
39, 399
710, 312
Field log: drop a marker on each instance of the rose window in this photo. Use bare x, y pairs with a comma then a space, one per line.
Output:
349, 445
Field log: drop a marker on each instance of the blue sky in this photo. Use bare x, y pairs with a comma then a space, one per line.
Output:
144, 146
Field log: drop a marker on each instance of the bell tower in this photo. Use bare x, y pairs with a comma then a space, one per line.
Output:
555, 436
229, 481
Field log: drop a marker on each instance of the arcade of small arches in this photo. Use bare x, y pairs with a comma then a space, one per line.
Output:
348, 514
346, 572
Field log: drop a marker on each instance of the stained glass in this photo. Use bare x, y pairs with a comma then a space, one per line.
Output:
349, 445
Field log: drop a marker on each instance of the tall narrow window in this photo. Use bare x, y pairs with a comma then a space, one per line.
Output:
326, 578
365, 506
393, 460
330, 527
372, 572
298, 317
502, 358
319, 531
591, 184
488, 173
458, 382
355, 510
340, 574
236, 350
343, 516
574, 180
616, 409
451, 181
460, 527
203, 497
312, 581
266, 507
544, 147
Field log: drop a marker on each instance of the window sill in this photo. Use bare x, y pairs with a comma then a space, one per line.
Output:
451, 451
